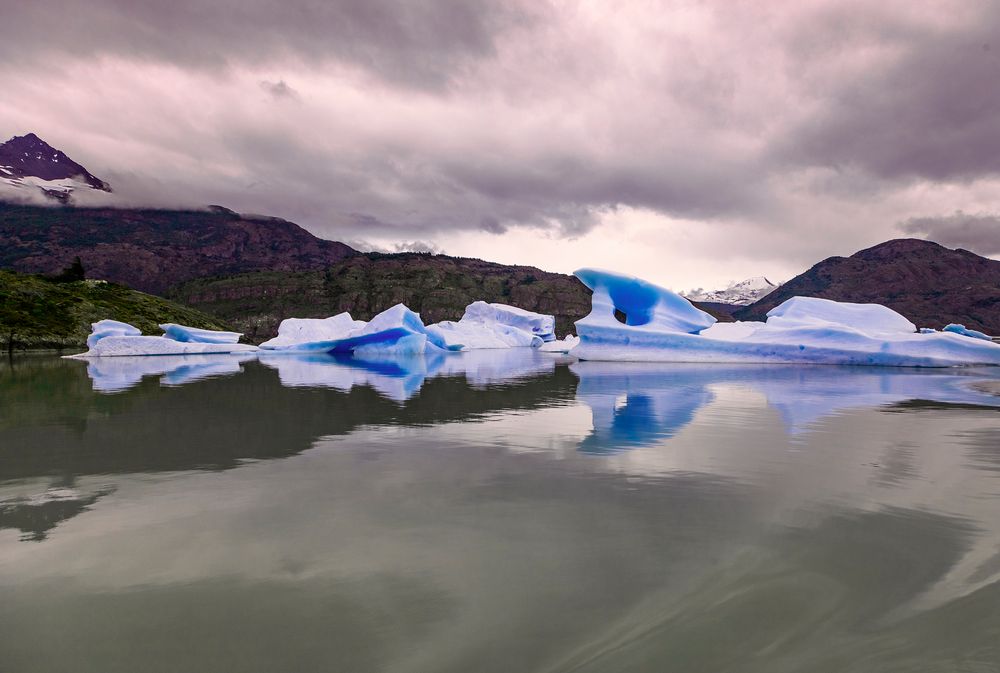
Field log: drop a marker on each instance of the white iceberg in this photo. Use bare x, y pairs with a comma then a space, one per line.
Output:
395, 331
564, 345
661, 326
194, 335
539, 324
495, 326
313, 334
110, 338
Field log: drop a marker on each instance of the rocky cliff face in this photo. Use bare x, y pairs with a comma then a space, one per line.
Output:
152, 250
928, 283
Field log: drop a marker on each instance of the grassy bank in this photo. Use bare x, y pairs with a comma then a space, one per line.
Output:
38, 312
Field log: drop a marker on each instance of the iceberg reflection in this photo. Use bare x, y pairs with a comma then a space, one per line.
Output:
637, 404
399, 377
112, 375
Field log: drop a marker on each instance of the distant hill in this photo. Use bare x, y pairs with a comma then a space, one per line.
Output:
928, 283
152, 250
30, 166
36, 312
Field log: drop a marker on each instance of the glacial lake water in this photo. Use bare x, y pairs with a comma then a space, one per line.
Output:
496, 511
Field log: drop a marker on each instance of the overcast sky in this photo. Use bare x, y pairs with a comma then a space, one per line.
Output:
692, 143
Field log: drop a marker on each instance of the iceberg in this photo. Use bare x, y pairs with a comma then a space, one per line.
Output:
397, 330
106, 328
661, 326
964, 331
539, 324
186, 334
110, 338
495, 326
560, 345
313, 334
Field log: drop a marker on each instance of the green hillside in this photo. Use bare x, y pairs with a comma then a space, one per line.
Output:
38, 312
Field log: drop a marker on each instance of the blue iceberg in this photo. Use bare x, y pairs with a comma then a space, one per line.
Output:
964, 331
186, 334
661, 326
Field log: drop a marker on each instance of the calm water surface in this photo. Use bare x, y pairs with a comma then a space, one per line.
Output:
505, 511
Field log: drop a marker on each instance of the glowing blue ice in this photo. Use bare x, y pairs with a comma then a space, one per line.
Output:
106, 328
964, 331
186, 334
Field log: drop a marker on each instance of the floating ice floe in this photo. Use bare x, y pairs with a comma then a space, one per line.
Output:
661, 326
495, 326
110, 338
564, 345
186, 334
313, 334
964, 331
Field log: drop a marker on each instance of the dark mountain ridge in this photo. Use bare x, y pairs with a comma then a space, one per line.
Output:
152, 250
928, 283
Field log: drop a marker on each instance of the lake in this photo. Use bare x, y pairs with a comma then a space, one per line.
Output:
496, 511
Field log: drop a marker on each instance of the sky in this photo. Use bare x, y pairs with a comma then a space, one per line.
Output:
690, 143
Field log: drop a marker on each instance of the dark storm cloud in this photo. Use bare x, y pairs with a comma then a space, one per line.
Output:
422, 43
922, 105
978, 233
784, 128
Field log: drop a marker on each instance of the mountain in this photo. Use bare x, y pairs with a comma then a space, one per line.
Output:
30, 165
743, 293
152, 250
928, 283
37, 312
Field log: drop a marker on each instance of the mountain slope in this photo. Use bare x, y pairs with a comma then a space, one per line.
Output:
151, 250
29, 164
38, 313
928, 283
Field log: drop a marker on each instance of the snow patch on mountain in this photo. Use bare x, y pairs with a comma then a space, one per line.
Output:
742, 293
31, 170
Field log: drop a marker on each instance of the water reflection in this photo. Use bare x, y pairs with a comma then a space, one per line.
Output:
399, 378
112, 375
640, 404
296, 517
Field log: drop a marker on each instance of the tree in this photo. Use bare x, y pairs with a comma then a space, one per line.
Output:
71, 273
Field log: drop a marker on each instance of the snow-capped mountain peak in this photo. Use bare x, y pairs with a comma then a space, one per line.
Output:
29, 166
742, 293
